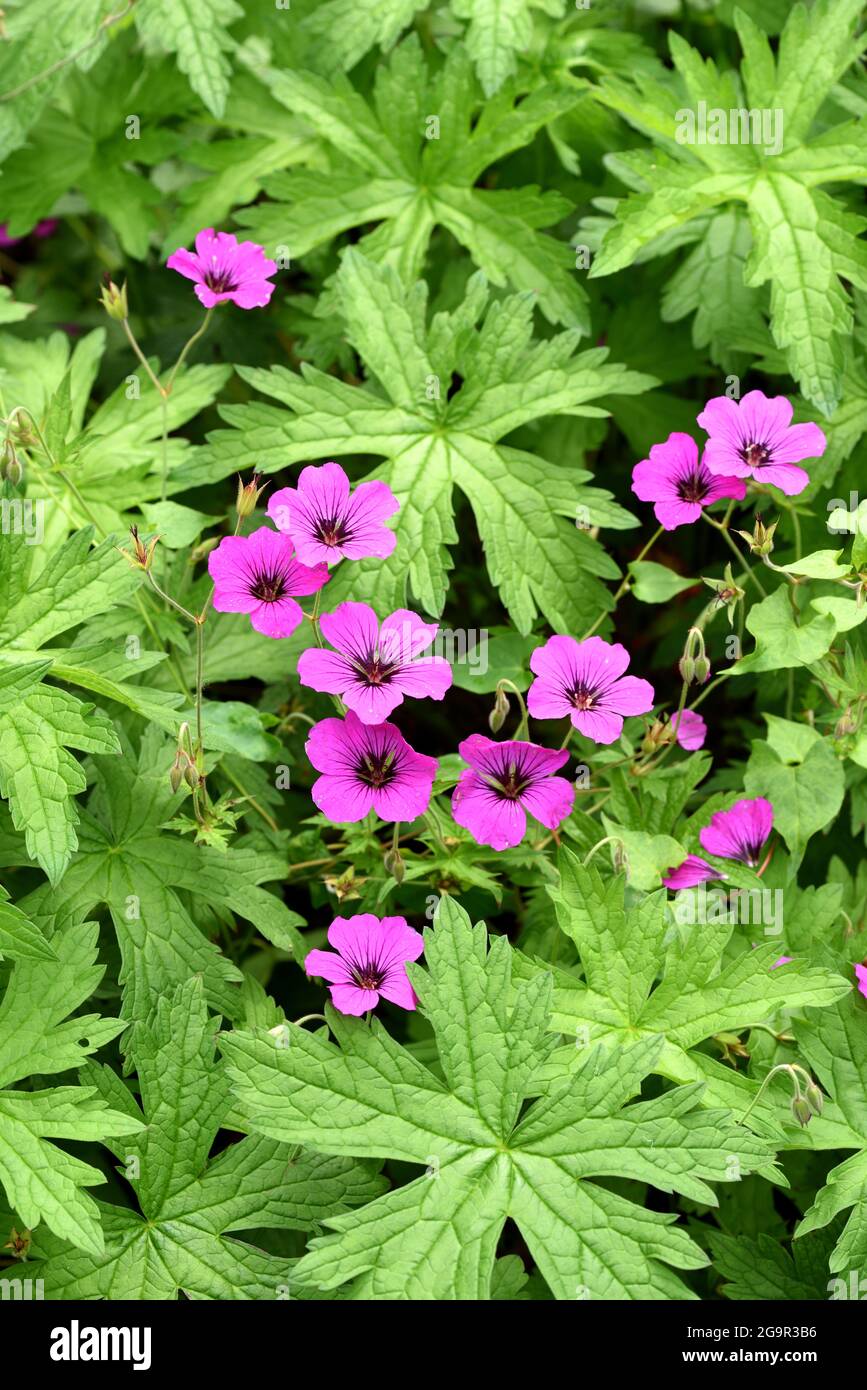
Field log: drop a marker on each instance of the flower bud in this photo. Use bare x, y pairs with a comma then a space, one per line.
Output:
114, 300
815, 1098
192, 776
10, 465
203, 549
393, 864
248, 495
499, 714
846, 724
702, 669
686, 667
176, 776
801, 1111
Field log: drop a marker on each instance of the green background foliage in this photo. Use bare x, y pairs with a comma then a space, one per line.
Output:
502, 278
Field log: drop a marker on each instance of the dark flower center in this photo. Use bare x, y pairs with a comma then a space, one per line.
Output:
332, 530
367, 974
583, 697
268, 585
373, 670
509, 782
695, 486
750, 852
377, 769
220, 281
755, 454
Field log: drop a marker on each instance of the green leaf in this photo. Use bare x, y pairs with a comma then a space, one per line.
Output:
805, 789
822, 564
780, 641
156, 885
198, 36
409, 176
189, 1203
43, 1182
486, 1160
434, 441
835, 1045
656, 583
643, 980
802, 242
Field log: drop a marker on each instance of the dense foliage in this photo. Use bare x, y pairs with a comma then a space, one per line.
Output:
432, 661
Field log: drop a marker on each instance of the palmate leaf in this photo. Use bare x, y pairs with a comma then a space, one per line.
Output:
156, 884
43, 1182
116, 461
805, 244
40, 723
179, 1241
639, 982
525, 507
436, 1237
835, 1043
198, 36
38, 36
382, 169
496, 32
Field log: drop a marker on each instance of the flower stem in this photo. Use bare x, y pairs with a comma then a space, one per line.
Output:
726, 535
625, 583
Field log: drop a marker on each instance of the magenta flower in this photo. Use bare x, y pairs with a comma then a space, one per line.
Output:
741, 832
327, 521
503, 783
678, 484
374, 667
370, 963
365, 768
47, 227
754, 439
258, 574
690, 730
585, 680
861, 977
225, 268
692, 871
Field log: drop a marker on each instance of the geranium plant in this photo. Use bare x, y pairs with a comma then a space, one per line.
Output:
433, 678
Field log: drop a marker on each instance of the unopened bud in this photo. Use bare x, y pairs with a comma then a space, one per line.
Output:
203, 549
393, 864
10, 464
846, 724
498, 715
686, 667
702, 669
814, 1097
114, 300
248, 495
176, 775
192, 776
801, 1111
